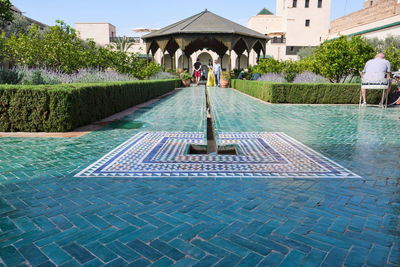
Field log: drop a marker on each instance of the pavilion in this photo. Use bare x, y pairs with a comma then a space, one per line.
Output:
205, 30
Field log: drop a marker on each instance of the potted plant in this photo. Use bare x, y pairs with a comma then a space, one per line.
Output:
185, 77
225, 78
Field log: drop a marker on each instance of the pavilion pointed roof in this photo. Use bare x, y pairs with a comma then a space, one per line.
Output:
205, 22
265, 11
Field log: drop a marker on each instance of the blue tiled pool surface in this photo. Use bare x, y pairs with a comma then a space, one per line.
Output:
50, 217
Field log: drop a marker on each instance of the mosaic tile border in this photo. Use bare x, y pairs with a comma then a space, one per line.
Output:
263, 155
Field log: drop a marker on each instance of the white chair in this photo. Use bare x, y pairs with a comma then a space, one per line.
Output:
374, 81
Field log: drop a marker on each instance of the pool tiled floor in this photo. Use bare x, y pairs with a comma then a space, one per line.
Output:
260, 155
49, 217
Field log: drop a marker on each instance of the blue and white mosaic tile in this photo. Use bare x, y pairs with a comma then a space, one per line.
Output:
261, 154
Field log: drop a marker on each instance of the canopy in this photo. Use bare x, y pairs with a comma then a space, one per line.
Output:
205, 30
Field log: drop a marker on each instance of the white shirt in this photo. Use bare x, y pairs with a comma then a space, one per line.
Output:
376, 69
217, 68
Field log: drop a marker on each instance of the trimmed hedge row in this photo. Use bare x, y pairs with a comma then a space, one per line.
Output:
60, 108
311, 93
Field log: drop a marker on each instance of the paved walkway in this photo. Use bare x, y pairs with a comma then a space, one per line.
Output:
48, 217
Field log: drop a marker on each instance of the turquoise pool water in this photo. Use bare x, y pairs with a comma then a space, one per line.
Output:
49, 217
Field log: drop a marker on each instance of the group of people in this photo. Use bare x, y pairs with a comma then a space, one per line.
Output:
214, 72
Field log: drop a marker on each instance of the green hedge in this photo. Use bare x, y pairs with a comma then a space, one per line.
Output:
60, 108
312, 93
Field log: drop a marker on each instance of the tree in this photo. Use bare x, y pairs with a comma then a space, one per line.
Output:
123, 44
3, 48
390, 46
60, 49
306, 52
382, 44
288, 68
20, 25
392, 54
6, 15
268, 65
27, 49
342, 58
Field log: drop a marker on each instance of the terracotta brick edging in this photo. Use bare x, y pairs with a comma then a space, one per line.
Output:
81, 131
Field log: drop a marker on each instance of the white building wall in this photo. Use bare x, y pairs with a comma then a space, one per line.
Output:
291, 22
297, 33
381, 34
98, 32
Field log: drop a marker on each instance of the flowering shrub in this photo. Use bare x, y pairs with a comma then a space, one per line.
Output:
309, 77
272, 77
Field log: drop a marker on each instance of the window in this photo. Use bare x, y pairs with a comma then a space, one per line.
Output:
319, 3
294, 3
307, 23
307, 4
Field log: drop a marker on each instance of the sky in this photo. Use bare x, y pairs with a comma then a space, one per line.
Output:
129, 14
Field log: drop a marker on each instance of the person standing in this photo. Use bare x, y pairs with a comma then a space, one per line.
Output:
217, 72
197, 70
210, 76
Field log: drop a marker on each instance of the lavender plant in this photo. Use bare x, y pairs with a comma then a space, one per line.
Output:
272, 77
309, 77
46, 76
162, 75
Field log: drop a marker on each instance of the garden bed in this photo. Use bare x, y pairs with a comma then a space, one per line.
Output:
311, 93
64, 107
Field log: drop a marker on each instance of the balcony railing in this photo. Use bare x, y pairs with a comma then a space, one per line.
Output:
129, 39
276, 40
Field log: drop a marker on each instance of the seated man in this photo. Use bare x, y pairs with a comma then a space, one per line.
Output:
376, 74
242, 74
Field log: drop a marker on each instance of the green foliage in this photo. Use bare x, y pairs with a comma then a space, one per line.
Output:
6, 15
381, 44
36, 78
60, 108
268, 65
60, 49
123, 44
185, 76
340, 58
225, 75
4, 51
392, 54
140, 69
288, 68
390, 46
307, 51
20, 25
10, 76
324, 93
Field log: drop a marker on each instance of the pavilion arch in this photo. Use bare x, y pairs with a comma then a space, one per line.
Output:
204, 57
258, 48
184, 62
242, 62
167, 61
205, 30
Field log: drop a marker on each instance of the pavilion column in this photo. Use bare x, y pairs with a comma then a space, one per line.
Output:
239, 56
248, 58
147, 58
230, 61
163, 60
